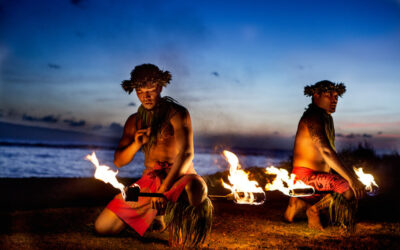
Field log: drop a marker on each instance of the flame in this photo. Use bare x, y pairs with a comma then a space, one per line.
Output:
105, 174
240, 182
282, 177
367, 180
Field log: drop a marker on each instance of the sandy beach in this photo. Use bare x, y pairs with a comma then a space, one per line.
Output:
59, 213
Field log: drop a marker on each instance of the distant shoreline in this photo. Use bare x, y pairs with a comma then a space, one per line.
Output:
55, 145
198, 149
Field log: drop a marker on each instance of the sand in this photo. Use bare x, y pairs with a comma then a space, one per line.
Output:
59, 213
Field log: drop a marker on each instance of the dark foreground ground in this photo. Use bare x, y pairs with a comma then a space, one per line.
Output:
59, 214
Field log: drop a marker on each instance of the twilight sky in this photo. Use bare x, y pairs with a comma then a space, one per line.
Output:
238, 66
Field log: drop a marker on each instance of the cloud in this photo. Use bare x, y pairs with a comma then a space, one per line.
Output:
215, 73
132, 104
46, 119
97, 127
54, 66
353, 135
73, 123
77, 3
372, 124
104, 99
250, 142
116, 127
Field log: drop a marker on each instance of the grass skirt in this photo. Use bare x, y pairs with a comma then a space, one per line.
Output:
188, 225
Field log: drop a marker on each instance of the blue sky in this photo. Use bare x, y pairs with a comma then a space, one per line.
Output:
239, 66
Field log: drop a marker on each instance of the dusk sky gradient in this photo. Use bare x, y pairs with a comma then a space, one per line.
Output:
238, 66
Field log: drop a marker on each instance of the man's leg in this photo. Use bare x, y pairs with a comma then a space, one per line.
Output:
108, 223
295, 206
190, 218
196, 191
158, 224
326, 182
349, 195
313, 212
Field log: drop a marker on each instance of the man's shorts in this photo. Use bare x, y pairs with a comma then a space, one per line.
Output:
320, 181
139, 215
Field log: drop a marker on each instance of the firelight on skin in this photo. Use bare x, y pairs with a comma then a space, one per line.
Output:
149, 95
327, 101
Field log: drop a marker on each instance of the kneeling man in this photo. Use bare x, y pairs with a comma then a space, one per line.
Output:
314, 156
162, 129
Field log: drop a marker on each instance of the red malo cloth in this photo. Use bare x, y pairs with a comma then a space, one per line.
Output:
139, 215
320, 181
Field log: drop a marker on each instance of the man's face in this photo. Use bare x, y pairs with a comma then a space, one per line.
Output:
149, 95
327, 101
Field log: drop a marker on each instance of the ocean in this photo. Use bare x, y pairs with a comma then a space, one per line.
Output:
26, 161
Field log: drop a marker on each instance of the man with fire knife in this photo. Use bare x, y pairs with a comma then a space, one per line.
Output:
314, 156
162, 129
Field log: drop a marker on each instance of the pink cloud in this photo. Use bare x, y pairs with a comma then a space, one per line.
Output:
372, 124
389, 135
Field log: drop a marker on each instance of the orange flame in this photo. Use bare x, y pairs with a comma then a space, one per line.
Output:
282, 178
240, 182
105, 174
366, 179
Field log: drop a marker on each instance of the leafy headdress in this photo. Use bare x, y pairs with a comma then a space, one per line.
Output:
145, 74
324, 86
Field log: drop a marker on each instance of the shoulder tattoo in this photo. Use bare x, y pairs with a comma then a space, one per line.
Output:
316, 129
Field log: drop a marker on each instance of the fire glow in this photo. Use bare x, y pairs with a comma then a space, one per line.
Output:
287, 184
105, 174
368, 180
243, 190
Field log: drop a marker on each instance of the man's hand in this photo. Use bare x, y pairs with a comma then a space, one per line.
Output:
142, 136
158, 203
358, 188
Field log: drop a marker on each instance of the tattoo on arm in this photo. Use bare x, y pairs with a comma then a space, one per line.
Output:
317, 131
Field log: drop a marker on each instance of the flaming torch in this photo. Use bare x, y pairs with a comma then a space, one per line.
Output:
287, 185
105, 174
243, 190
368, 180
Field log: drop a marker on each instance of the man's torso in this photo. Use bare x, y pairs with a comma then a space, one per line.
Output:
306, 153
166, 147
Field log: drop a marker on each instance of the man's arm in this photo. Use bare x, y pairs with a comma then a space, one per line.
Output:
318, 135
184, 141
130, 143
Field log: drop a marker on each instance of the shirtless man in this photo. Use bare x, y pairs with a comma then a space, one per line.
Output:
314, 156
162, 129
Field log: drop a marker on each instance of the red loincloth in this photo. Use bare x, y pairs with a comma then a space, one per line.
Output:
139, 215
320, 181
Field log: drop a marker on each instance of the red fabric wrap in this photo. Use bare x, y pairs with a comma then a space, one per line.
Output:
321, 181
139, 215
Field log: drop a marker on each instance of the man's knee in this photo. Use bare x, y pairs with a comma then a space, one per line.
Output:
196, 190
108, 223
349, 195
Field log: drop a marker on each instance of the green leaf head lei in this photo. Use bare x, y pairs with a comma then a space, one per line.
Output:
145, 74
324, 86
